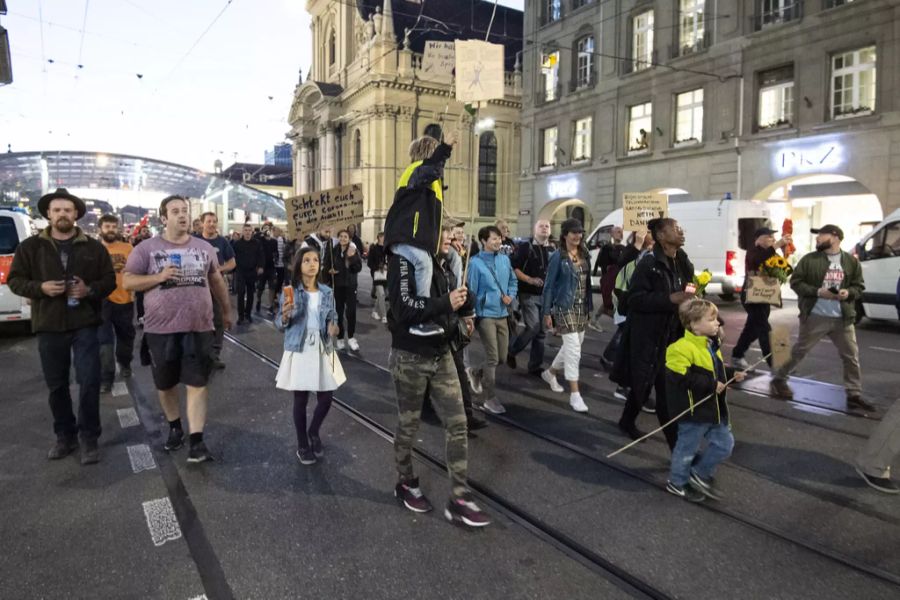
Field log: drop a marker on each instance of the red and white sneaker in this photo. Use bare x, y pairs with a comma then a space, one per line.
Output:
464, 510
409, 494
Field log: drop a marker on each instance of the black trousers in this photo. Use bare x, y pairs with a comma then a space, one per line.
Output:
56, 351
755, 328
637, 396
246, 285
345, 304
117, 331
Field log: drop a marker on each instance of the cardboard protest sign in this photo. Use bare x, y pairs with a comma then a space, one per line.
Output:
337, 207
639, 208
479, 71
438, 61
780, 339
763, 290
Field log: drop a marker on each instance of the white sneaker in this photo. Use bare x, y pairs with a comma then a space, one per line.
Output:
740, 364
375, 315
474, 380
341, 344
550, 378
354, 345
494, 407
577, 402
384, 319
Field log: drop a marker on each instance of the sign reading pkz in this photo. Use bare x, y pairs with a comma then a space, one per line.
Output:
805, 159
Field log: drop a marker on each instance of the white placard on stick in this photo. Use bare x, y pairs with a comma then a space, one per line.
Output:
438, 61
479, 71
639, 208
337, 207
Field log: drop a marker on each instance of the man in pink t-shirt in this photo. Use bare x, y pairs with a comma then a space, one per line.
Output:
176, 273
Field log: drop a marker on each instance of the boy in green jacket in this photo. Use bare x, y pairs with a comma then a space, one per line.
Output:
694, 371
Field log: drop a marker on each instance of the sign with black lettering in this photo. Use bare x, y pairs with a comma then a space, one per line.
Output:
640, 208
337, 207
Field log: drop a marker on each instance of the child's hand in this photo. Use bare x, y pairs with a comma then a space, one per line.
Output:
332, 329
739, 376
720, 387
286, 311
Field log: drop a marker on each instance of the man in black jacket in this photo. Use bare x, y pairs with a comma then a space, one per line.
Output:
248, 254
418, 363
529, 262
658, 287
66, 275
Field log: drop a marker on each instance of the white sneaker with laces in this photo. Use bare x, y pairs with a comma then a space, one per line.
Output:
384, 319
494, 407
577, 402
354, 345
740, 364
474, 380
375, 315
550, 378
341, 344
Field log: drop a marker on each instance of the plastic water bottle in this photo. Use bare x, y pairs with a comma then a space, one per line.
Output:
70, 301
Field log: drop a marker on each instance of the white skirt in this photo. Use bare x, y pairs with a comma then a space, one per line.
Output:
299, 370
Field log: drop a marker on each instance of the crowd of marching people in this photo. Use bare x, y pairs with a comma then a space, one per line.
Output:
433, 288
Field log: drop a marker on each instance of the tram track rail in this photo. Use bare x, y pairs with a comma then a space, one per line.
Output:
737, 516
623, 579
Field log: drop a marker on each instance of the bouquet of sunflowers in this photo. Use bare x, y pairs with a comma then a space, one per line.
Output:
701, 280
777, 267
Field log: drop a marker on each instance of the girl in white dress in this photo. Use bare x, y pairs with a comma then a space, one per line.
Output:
309, 363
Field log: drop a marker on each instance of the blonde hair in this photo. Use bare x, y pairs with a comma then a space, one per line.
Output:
691, 311
422, 148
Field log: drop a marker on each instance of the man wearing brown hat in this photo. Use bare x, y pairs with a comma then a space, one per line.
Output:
66, 274
828, 282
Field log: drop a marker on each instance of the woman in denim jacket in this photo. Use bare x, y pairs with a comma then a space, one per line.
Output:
309, 363
567, 300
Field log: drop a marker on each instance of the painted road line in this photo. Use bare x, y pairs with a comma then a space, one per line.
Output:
141, 458
119, 389
161, 521
127, 417
202, 597
884, 349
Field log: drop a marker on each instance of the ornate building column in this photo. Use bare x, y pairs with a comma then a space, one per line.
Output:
303, 169
330, 163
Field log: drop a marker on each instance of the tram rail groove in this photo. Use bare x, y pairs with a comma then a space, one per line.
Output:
619, 577
816, 548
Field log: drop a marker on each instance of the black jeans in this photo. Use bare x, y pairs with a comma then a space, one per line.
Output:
345, 302
246, 285
530, 307
117, 331
56, 351
755, 328
638, 394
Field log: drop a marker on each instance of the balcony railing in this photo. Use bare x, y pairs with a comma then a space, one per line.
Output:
678, 50
584, 82
635, 65
777, 15
543, 96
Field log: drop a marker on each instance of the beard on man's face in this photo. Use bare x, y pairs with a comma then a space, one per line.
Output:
63, 224
823, 246
109, 237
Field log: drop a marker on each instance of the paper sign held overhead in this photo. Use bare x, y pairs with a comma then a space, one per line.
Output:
479, 71
640, 208
337, 207
438, 61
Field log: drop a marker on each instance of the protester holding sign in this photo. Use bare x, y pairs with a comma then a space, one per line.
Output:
757, 325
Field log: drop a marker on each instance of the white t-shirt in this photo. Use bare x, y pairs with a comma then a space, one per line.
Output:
833, 279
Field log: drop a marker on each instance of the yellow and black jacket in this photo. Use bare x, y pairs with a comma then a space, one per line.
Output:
416, 215
692, 369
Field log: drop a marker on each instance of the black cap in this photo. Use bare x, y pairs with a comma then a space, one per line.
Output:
570, 226
62, 194
764, 231
830, 229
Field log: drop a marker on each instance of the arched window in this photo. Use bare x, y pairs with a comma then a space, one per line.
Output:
331, 47
487, 174
357, 149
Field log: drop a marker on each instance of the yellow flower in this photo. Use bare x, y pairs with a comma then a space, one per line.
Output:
704, 277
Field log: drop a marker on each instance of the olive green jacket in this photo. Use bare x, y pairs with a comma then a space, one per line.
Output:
809, 273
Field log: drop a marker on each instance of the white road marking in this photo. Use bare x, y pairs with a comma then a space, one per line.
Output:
119, 389
884, 349
203, 597
141, 458
127, 417
161, 521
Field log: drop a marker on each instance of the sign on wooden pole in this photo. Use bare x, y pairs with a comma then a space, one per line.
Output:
337, 207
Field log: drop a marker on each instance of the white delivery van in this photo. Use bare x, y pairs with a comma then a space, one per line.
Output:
879, 255
14, 227
717, 234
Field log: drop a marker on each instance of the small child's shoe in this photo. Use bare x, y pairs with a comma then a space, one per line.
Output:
685, 491
705, 486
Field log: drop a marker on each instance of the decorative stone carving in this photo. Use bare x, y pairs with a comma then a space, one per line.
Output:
370, 28
378, 19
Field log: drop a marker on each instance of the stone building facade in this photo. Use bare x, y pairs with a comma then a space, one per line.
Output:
794, 102
367, 96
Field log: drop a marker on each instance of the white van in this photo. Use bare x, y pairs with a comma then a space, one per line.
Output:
879, 255
14, 227
717, 234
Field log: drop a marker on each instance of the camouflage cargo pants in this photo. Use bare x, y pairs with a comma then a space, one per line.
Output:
412, 373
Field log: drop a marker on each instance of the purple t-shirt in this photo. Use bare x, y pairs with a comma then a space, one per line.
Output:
182, 303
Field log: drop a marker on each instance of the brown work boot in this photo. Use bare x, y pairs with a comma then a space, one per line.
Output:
780, 389
855, 402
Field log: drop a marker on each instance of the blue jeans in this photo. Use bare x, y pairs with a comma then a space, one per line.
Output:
421, 262
530, 307
690, 435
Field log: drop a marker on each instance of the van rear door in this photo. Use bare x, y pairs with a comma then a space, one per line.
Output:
879, 255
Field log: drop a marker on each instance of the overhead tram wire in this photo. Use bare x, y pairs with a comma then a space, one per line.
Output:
87, 4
